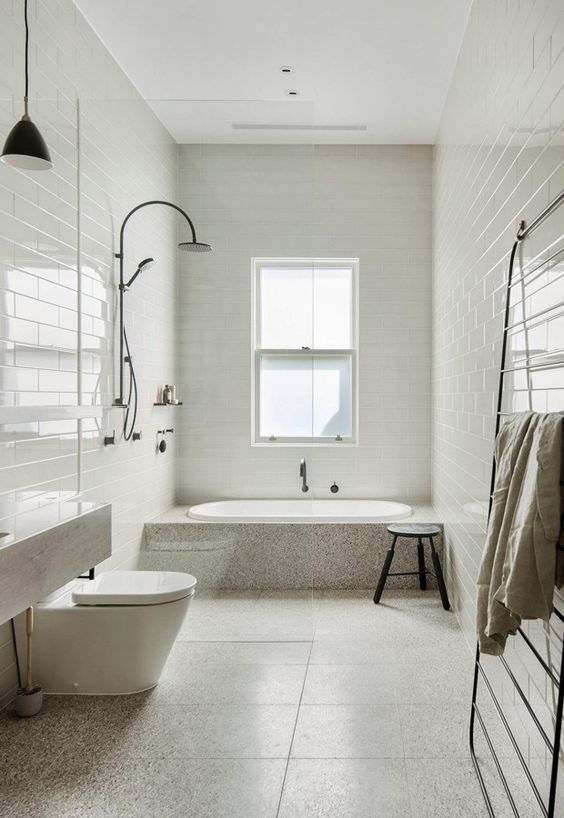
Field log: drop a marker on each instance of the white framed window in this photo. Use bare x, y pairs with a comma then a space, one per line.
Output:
305, 352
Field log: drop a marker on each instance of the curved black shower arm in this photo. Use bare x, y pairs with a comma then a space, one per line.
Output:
154, 202
119, 401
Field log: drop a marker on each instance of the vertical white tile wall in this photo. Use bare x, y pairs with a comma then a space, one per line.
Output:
499, 158
370, 202
46, 306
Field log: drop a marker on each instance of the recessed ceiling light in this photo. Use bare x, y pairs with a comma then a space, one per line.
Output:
286, 69
292, 92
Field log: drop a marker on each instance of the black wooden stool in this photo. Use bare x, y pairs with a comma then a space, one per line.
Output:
420, 532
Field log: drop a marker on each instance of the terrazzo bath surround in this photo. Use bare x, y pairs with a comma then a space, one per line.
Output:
280, 556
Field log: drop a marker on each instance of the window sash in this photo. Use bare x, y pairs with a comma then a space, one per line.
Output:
258, 352
296, 263
341, 440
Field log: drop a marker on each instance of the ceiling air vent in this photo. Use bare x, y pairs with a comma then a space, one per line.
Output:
271, 126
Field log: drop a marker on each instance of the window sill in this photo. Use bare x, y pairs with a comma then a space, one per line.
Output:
305, 443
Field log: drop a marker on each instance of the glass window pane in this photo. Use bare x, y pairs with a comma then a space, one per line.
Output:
286, 297
332, 396
332, 308
285, 396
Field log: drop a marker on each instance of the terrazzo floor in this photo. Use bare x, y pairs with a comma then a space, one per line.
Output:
272, 705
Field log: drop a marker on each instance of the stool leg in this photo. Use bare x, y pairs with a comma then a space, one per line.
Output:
384, 572
439, 575
421, 560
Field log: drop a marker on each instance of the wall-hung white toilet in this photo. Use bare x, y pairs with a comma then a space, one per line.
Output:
111, 635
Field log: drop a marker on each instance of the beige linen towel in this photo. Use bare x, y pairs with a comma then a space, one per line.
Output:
519, 564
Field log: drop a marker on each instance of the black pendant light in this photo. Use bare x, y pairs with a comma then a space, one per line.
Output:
25, 147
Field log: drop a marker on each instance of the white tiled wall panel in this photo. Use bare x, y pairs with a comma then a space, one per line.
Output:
57, 324
499, 158
370, 202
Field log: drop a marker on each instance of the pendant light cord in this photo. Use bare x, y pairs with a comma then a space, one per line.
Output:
26, 57
25, 148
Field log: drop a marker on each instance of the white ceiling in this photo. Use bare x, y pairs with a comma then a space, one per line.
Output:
383, 64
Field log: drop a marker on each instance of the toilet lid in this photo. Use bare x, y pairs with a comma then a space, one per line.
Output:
135, 588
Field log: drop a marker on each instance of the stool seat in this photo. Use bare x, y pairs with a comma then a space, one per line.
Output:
414, 530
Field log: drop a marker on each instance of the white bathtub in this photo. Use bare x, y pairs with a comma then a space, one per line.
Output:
300, 511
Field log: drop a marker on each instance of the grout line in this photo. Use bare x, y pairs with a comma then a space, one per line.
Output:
404, 759
294, 730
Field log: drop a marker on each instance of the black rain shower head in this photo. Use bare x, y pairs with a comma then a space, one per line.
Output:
194, 247
146, 264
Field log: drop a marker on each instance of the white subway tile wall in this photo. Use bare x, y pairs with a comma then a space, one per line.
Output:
57, 325
369, 202
499, 158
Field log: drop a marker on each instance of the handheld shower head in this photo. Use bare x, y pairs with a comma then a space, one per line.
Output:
146, 264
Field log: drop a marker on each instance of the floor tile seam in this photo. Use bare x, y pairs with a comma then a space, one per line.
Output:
350, 704
460, 703
211, 664
393, 700
293, 733
208, 664
410, 797
132, 756
380, 757
364, 757
247, 641
400, 729
209, 704
354, 664
149, 704
206, 757
365, 705
445, 756
165, 757
223, 703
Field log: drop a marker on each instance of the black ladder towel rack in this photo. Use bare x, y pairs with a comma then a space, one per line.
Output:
542, 360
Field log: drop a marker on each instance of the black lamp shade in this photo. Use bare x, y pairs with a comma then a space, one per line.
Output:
25, 147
